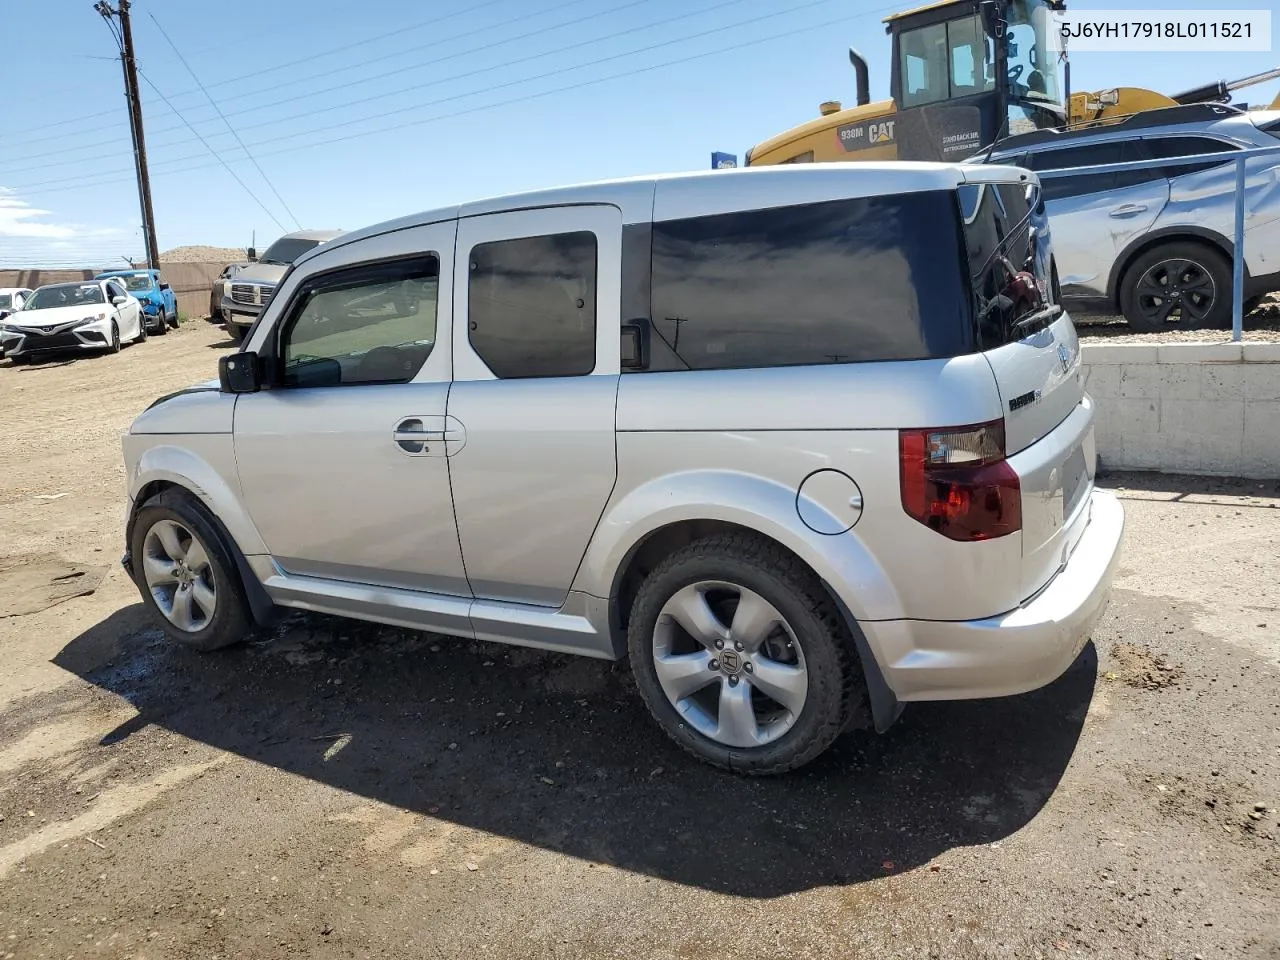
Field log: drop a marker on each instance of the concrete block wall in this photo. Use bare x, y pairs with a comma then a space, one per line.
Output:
1199, 408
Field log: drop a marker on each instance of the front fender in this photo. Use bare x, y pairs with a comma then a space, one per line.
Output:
748, 501
205, 466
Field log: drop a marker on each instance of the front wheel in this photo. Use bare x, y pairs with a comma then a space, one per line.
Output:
114, 345
742, 657
186, 575
1177, 286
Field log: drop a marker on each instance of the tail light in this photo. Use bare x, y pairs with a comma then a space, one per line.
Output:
956, 480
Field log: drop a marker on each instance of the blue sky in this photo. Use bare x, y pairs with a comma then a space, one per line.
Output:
358, 112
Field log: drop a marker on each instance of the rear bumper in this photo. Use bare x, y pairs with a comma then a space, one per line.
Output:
1015, 652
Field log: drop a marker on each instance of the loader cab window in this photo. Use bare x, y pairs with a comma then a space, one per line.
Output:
945, 61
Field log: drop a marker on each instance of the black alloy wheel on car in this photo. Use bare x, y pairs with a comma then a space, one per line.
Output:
1177, 286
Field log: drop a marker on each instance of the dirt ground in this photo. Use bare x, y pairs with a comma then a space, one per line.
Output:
339, 790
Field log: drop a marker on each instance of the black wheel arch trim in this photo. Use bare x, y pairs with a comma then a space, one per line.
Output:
1155, 238
886, 708
260, 604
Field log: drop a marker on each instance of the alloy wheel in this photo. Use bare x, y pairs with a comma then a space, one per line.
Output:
1176, 292
179, 576
730, 664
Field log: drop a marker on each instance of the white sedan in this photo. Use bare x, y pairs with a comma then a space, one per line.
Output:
87, 315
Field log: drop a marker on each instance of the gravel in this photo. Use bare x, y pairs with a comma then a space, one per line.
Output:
1261, 326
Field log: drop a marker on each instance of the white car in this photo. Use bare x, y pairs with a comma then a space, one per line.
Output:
87, 315
11, 301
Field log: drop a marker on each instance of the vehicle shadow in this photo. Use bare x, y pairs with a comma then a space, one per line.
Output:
559, 752
227, 344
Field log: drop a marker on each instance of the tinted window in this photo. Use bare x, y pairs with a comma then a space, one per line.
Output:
1160, 148
1010, 265
1091, 155
366, 325
286, 250
532, 305
878, 278
138, 282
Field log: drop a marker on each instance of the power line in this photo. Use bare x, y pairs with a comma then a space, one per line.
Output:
515, 100
217, 156
62, 150
329, 109
256, 166
434, 21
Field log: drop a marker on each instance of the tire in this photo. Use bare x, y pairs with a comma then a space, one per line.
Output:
236, 332
1252, 304
211, 579
1199, 275
162, 327
114, 345
811, 642
172, 320
142, 330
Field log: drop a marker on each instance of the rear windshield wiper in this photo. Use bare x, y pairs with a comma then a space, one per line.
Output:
1042, 317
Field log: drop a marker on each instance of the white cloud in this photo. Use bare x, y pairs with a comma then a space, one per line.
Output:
29, 233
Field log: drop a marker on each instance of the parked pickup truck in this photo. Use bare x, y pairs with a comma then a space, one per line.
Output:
251, 287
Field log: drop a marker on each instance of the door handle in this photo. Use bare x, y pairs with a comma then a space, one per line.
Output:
1129, 210
413, 436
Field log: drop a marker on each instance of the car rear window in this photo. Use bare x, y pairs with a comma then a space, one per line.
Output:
846, 281
1010, 258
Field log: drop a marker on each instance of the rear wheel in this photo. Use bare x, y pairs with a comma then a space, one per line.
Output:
186, 575
172, 320
162, 326
1177, 286
741, 656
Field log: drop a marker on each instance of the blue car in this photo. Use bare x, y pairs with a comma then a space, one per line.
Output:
159, 303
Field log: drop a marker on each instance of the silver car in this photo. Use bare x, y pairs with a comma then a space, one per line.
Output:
805, 443
1156, 243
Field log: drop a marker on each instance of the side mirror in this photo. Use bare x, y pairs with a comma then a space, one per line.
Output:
119, 301
165, 286
635, 345
238, 373
251, 253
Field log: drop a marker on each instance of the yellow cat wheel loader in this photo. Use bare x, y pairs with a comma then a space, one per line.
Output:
966, 73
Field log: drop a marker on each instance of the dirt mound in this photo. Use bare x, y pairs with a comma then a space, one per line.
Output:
1139, 667
202, 255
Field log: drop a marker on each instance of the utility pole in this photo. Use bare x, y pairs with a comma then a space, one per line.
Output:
124, 40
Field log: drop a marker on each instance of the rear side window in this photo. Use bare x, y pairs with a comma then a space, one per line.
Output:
1091, 155
1010, 260
532, 305
876, 278
1161, 148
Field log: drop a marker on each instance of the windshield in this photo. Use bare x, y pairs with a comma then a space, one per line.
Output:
65, 295
139, 281
286, 250
1032, 51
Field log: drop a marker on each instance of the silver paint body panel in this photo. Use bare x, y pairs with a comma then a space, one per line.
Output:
518, 528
